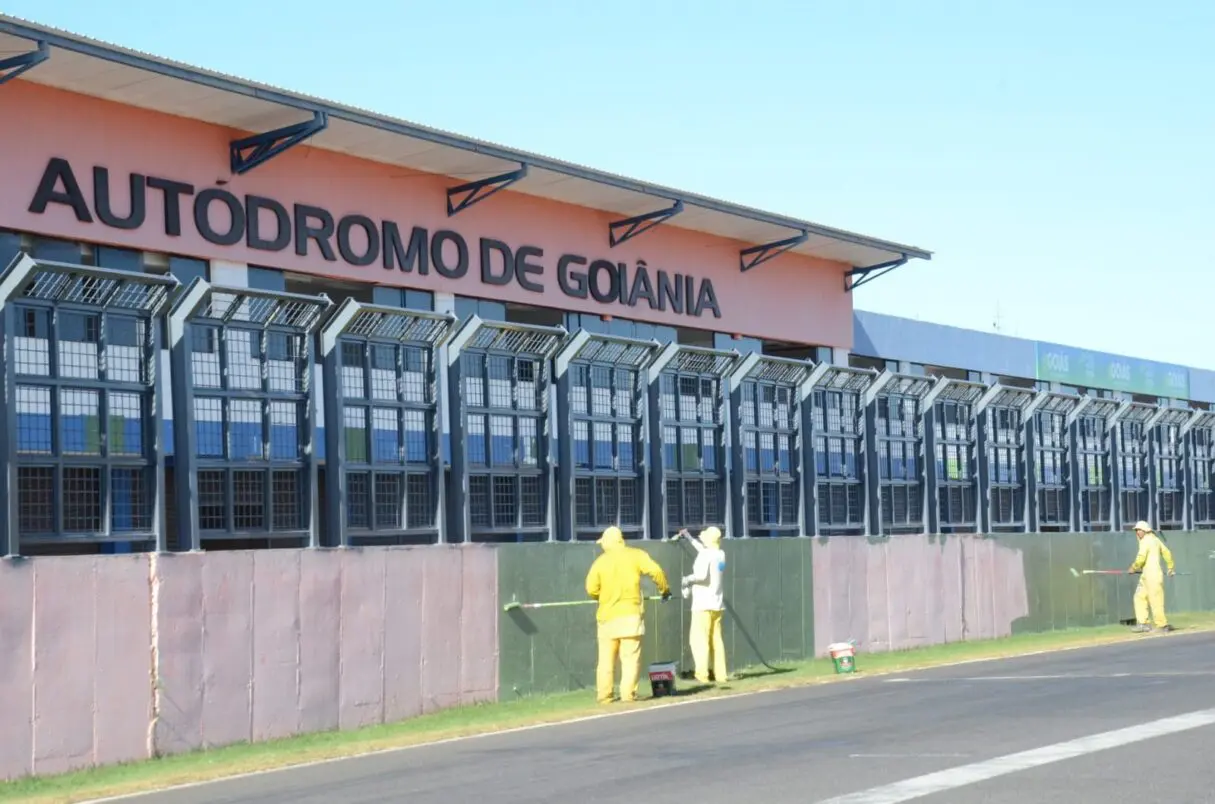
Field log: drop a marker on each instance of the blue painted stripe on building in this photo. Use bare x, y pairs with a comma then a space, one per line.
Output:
893, 338
1202, 385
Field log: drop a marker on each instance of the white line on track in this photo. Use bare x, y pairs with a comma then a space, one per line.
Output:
908, 756
976, 772
1054, 677
731, 696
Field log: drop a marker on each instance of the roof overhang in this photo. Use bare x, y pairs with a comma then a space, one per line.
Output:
90, 67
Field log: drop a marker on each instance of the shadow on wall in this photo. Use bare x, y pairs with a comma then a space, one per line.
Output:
116, 658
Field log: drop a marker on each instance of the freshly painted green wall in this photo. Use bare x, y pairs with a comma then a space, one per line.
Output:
769, 617
1058, 600
887, 594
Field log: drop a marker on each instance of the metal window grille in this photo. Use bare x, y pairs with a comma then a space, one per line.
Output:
244, 415
691, 479
1167, 451
1002, 477
895, 416
602, 410
501, 462
767, 478
1199, 434
1132, 462
1051, 473
836, 495
950, 410
1091, 467
383, 473
82, 404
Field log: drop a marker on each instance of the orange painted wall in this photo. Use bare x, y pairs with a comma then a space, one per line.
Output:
791, 298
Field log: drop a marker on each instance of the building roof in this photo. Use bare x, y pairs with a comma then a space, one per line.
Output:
94, 68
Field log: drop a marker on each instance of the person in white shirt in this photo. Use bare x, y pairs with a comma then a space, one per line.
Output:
708, 602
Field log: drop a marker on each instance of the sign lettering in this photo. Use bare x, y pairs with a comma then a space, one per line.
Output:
1080, 367
266, 224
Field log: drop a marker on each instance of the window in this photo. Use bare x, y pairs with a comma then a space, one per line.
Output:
955, 486
838, 427
1169, 468
501, 454
605, 422
770, 426
85, 406
383, 444
899, 438
1092, 465
1202, 468
1130, 432
1003, 439
1051, 465
242, 401
691, 439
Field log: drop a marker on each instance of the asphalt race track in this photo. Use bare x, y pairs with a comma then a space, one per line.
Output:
1133, 722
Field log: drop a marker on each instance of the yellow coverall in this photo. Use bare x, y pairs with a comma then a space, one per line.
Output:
615, 581
1151, 584
708, 602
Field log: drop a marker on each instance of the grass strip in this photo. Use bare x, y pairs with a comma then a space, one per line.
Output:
241, 758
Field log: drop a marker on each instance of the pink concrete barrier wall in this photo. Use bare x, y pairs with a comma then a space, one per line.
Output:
113, 658
75, 662
912, 591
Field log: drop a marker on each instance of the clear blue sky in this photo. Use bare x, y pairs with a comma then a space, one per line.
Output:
1056, 155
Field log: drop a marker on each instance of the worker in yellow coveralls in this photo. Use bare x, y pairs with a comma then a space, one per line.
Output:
1151, 583
704, 586
615, 581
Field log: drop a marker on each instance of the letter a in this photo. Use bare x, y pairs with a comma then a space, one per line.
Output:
59, 170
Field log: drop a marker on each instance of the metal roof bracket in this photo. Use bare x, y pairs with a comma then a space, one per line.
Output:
755, 256
640, 223
14, 66
471, 191
859, 276
257, 149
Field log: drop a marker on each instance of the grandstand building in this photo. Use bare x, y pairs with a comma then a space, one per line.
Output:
236, 317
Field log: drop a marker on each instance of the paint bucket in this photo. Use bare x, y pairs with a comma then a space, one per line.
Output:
842, 655
662, 679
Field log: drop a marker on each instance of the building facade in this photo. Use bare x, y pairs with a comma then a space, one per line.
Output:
239, 318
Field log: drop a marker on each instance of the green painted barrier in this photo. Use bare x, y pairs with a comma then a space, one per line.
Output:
769, 616
892, 592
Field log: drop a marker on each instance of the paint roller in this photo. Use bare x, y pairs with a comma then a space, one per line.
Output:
515, 605
1078, 573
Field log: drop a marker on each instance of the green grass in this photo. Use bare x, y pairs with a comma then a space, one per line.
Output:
463, 721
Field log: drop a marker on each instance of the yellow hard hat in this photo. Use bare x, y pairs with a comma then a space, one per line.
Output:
1143, 526
711, 536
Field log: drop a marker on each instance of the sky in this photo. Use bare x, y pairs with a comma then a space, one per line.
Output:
1055, 156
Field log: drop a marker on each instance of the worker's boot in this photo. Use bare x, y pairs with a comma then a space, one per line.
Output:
1141, 628
1167, 629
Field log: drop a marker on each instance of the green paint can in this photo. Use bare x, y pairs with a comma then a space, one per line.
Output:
843, 655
